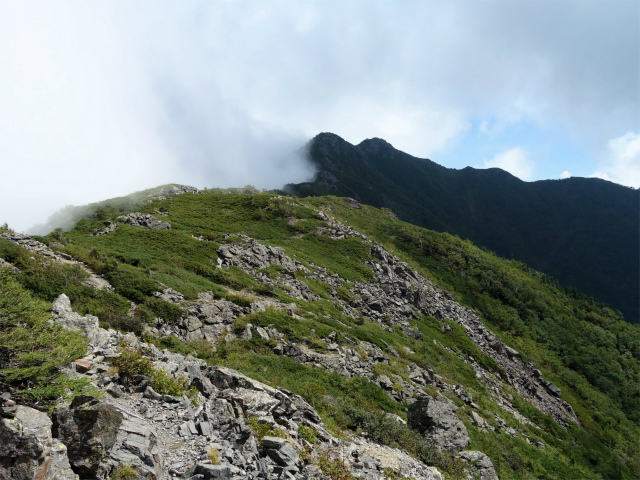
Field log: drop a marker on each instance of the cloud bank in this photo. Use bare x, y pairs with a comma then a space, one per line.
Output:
98, 99
622, 164
514, 161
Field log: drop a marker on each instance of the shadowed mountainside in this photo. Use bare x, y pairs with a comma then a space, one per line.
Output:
583, 231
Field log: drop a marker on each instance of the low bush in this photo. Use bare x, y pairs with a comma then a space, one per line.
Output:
126, 323
132, 283
165, 310
308, 434
125, 471
32, 349
262, 430
213, 456
132, 361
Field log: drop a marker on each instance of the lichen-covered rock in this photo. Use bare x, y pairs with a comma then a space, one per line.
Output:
27, 450
436, 419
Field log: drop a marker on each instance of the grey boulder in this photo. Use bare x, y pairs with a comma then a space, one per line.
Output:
27, 450
436, 419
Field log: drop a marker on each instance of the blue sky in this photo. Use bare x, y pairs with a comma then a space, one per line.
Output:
102, 98
526, 150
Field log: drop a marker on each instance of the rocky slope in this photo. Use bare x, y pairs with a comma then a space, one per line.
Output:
395, 296
367, 316
138, 427
163, 436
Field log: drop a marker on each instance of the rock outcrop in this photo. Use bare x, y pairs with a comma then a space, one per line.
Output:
28, 451
142, 220
436, 419
50, 255
480, 465
89, 324
88, 427
180, 189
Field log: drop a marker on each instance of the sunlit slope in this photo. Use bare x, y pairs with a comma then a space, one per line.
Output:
584, 347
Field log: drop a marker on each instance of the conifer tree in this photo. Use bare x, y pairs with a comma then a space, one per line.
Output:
32, 347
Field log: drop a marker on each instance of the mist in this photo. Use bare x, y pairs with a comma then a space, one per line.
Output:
100, 99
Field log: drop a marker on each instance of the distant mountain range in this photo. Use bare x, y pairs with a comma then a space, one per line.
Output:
585, 232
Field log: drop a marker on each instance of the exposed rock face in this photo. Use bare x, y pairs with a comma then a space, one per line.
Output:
136, 445
108, 228
64, 315
169, 295
27, 450
142, 220
89, 429
179, 189
480, 465
436, 419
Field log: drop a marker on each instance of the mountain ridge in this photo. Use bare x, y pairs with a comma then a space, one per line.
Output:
370, 320
585, 232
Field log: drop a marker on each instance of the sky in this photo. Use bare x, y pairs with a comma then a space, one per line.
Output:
99, 99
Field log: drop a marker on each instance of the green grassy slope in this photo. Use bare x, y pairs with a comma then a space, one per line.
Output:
584, 347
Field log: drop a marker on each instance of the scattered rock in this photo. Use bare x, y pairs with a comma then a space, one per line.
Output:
141, 220
108, 228
479, 465
169, 295
436, 419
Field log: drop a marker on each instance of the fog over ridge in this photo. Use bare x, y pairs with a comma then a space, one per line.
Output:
100, 99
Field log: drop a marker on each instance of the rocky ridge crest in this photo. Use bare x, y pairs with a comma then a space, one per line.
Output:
392, 298
163, 436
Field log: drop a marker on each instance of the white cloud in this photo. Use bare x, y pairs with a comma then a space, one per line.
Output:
565, 174
514, 161
623, 163
101, 98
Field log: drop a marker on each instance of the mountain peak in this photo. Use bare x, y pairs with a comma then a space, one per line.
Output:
527, 221
376, 145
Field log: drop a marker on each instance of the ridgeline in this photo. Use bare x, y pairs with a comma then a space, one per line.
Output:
583, 231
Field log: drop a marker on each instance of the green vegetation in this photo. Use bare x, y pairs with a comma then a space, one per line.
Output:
125, 471
584, 347
29, 363
308, 434
262, 430
331, 463
133, 361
